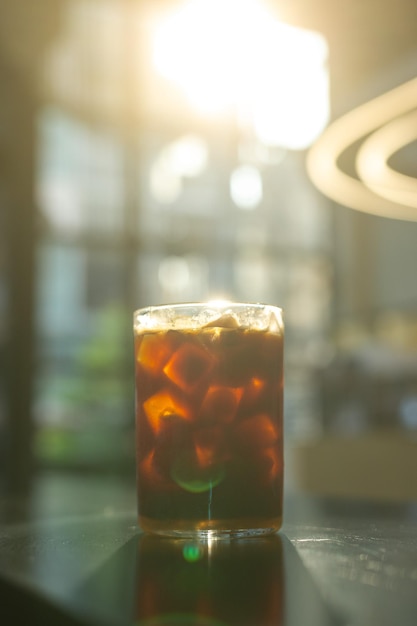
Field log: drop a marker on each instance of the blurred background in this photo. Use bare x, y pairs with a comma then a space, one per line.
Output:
173, 150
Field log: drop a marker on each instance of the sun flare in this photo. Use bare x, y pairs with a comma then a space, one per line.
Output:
236, 56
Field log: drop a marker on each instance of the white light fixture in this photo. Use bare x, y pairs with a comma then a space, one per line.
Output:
382, 117
372, 161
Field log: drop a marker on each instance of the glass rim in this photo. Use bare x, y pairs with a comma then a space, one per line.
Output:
186, 315
221, 304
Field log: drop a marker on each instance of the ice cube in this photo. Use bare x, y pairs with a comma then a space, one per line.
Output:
253, 391
220, 403
150, 474
146, 466
156, 475
228, 319
273, 461
155, 350
257, 431
189, 366
261, 320
276, 324
162, 406
209, 446
205, 317
238, 351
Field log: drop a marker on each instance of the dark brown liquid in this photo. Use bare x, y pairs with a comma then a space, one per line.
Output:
209, 430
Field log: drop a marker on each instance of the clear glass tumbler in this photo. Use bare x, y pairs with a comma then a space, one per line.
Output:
209, 417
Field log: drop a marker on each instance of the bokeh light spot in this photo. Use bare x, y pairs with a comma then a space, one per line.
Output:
246, 187
192, 552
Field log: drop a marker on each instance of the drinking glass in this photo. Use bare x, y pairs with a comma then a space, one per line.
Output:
209, 418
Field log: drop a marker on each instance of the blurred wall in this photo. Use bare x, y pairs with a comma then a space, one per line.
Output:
375, 266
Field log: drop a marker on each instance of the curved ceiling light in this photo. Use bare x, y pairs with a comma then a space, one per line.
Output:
372, 161
322, 159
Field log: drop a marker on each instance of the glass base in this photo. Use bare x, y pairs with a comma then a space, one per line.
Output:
209, 529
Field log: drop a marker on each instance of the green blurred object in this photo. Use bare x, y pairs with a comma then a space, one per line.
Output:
192, 552
103, 379
89, 409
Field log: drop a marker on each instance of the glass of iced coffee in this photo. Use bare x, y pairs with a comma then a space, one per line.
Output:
209, 396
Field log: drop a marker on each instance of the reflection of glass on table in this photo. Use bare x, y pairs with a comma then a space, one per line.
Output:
165, 581
209, 583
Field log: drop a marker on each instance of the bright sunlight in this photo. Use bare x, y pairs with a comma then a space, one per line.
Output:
234, 56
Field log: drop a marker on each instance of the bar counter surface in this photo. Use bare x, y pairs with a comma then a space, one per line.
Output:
72, 554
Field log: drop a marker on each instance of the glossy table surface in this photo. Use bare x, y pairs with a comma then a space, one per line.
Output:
72, 554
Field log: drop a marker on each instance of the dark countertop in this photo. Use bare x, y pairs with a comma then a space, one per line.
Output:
72, 554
